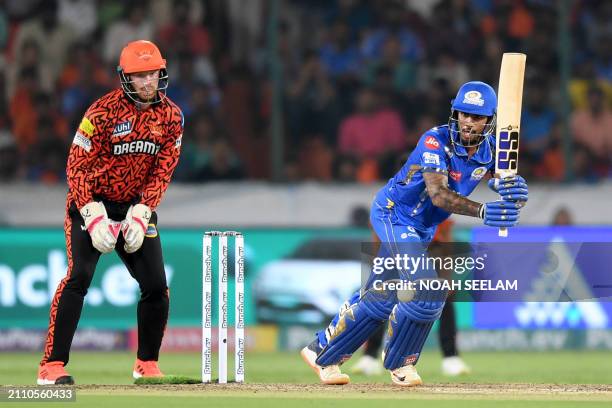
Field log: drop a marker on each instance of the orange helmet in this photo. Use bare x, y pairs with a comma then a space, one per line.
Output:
141, 56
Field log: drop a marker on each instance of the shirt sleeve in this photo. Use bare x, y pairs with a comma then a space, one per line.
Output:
431, 154
83, 154
165, 163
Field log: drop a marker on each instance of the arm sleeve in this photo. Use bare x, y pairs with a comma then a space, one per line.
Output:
431, 154
167, 159
83, 154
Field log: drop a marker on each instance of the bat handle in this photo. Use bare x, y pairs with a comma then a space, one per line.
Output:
502, 232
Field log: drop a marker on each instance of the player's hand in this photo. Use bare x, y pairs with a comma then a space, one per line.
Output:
500, 213
512, 188
135, 226
100, 227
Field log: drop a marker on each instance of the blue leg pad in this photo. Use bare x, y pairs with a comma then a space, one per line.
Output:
354, 326
409, 325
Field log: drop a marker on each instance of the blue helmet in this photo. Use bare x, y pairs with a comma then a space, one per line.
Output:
477, 98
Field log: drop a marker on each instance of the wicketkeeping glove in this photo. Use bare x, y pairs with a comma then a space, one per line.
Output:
102, 230
512, 188
135, 226
500, 213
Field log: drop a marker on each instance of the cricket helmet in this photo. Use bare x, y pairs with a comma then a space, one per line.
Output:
142, 56
476, 98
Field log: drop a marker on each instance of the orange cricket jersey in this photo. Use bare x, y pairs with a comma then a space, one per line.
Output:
123, 154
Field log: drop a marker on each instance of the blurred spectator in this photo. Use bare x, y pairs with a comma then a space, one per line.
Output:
315, 159
80, 15
371, 131
23, 110
591, 127
311, 106
446, 67
537, 121
223, 165
51, 38
403, 72
392, 26
181, 35
83, 78
29, 58
339, 54
195, 151
562, 217
47, 158
603, 57
135, 26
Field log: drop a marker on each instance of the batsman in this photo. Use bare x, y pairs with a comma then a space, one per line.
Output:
445, 167
120, 164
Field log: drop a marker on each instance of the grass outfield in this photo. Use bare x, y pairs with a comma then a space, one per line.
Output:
282, 380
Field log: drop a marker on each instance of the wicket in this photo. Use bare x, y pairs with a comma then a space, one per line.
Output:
239, 342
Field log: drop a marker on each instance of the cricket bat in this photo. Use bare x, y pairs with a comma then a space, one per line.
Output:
509, 103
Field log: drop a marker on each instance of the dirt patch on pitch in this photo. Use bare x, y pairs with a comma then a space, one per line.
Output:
558, 390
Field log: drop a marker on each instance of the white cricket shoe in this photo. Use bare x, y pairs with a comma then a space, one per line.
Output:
454, 366
330, 375
406, 376
367, 365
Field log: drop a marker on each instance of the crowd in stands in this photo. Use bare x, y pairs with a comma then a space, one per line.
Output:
361, 80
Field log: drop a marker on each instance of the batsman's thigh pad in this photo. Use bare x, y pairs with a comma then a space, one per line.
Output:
409, 325
355, 325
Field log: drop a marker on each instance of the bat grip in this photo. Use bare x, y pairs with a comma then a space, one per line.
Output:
502, 232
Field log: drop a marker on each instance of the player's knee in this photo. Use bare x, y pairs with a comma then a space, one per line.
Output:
154, 291
378, 304
422, 306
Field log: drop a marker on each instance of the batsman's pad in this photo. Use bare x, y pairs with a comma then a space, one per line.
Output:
409, 325
355, 325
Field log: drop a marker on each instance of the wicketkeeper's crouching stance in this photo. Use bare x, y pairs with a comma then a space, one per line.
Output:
445, 167
119, 166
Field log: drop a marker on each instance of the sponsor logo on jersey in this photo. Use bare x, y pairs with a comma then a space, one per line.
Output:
473, 98
86, 127
156, 129
135, 147
122, 129
431, 158
478, 173
81, 141
455, 175
178, 142
432, 143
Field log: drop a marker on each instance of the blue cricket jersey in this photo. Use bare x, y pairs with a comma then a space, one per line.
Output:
406, 192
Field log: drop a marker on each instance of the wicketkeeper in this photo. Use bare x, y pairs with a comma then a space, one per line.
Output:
119, 166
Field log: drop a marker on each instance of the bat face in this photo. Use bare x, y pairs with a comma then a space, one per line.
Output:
506, 158
509, 103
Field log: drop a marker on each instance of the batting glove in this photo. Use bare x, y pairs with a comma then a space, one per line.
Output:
512, 188
135, 226
102, 230
500, 213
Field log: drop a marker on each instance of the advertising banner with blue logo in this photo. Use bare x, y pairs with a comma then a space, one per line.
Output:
563, 276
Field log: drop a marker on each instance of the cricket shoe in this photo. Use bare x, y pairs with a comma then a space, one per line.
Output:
367, 365
406, 376
53, 373
454, 366
146, 369
330, 375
